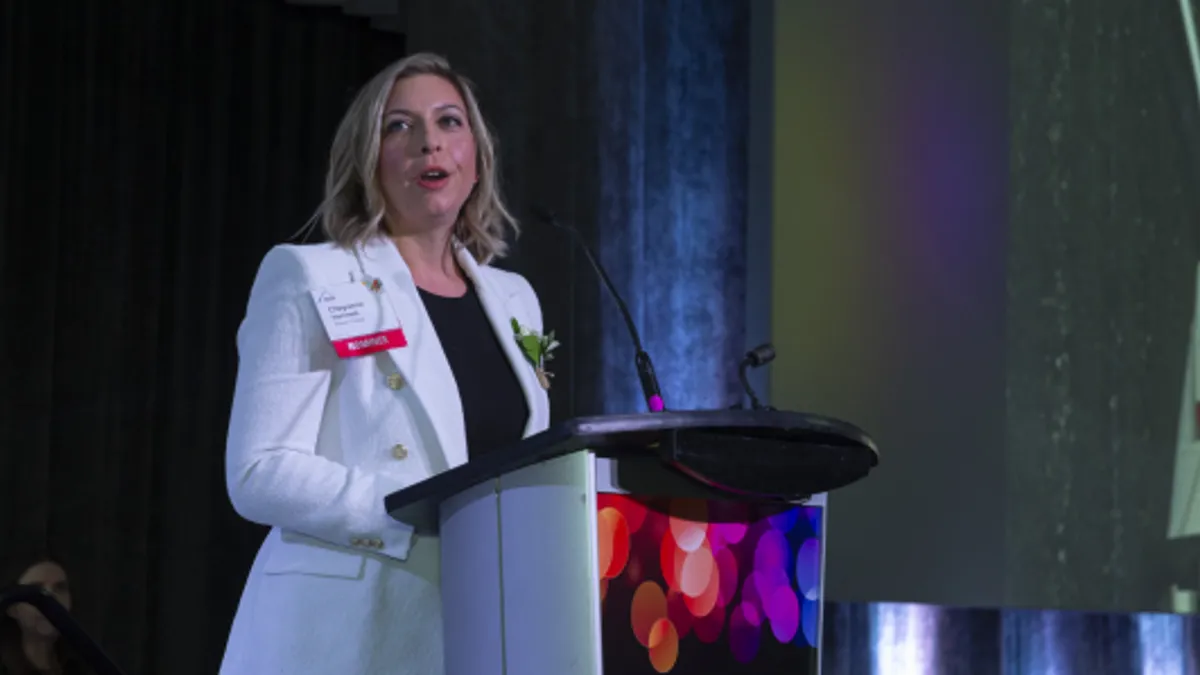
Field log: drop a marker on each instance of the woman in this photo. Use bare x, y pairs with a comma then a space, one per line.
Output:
29, 643
323, 426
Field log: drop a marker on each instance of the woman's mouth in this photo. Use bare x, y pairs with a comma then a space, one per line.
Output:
433, 179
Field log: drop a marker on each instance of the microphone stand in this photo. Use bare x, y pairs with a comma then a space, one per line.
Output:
645, 367
755, 358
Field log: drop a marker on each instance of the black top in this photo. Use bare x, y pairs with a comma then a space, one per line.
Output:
494, 406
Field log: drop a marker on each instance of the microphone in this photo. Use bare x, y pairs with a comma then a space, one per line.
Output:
645, 368
755, 358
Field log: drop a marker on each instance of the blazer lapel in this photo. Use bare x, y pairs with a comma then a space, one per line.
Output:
500, 310
422, 362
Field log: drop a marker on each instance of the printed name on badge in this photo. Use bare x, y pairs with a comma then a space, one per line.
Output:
358, 321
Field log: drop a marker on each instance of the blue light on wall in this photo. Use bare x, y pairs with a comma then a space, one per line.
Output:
912, 639
673, 109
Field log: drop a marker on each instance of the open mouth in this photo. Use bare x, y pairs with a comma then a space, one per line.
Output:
434, 175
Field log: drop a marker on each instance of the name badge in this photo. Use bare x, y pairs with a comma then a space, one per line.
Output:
358, 321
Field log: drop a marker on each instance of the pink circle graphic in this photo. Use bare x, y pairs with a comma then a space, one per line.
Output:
697, 571
670, 560
727, 533
689, 523
732, 572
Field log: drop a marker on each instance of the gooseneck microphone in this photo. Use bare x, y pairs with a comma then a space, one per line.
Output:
759, 356
645, 368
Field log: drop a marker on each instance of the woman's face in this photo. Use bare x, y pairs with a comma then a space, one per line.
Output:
51, 577
427, 160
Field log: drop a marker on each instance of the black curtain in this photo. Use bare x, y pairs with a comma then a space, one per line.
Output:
150, 153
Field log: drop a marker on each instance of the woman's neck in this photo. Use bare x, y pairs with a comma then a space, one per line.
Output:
431, 261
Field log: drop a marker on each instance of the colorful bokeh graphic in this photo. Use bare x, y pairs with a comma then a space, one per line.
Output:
691, 585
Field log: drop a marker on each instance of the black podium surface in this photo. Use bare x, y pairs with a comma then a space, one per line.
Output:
758, 454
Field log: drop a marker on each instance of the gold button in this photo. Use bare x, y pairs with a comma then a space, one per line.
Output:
376, 543
399, 451
394, 381
356, 542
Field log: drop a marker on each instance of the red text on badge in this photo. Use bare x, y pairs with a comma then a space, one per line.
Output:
370, 344
358, 321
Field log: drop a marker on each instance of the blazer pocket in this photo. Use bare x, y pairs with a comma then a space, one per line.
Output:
291, 553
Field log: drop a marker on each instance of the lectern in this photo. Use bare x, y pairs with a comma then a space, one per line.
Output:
675, 542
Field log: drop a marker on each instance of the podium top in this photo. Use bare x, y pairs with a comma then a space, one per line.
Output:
749, 454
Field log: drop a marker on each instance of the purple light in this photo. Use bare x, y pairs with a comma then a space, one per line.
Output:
771, 553
808, 568
726, 533
750, 594
767, 580
656, 403
727, 568
783, 609
744, 632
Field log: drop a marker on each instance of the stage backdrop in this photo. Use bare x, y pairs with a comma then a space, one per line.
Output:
1103, 245
985, 251
889, 221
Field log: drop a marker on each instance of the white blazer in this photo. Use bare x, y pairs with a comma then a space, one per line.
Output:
315, 444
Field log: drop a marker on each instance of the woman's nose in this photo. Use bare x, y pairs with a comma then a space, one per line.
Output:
431, 142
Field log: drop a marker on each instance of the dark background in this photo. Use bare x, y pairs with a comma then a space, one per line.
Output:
152, 152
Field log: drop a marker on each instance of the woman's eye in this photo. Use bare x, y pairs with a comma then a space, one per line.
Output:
451, 122
395, 125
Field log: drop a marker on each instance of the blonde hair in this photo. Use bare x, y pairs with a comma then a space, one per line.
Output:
353, 208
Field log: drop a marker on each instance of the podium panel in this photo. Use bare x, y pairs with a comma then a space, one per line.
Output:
686, 592
519, 573
693, 583
681, 542
561, 568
